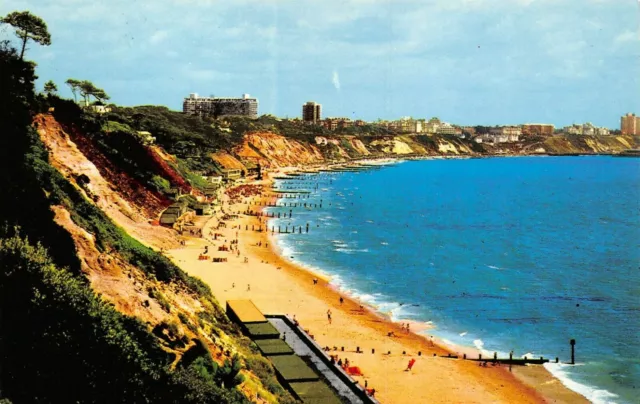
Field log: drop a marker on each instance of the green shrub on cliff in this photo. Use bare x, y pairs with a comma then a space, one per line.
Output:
77, 346
160, 184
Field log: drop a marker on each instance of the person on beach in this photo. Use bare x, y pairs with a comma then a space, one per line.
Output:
233, 285
341, 300
248, 287
410, 365
329, 315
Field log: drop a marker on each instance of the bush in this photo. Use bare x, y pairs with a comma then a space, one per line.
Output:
228, 375
56, 322
160, 184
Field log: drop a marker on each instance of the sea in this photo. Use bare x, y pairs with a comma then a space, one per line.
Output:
509, 254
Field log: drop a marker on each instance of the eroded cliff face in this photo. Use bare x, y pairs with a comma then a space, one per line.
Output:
273, 150
122, 198
589, 144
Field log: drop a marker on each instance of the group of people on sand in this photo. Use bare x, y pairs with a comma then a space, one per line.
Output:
193, 232
346, 366
335, 359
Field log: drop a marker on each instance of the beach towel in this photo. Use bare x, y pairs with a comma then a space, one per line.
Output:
354, 371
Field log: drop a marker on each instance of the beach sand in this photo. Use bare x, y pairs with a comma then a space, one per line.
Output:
277, 286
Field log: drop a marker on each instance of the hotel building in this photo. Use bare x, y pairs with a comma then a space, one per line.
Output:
311, 112
220, 107
630, 124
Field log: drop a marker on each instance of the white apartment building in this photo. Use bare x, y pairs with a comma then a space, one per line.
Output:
587, 129
446, 129
220, 107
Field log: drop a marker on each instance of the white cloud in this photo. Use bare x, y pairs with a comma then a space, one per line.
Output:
627, 36
335, 79
158, 36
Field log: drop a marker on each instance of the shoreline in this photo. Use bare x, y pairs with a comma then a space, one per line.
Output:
285, 287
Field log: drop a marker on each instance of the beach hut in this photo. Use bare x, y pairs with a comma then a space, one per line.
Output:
171, 214
291, 368
315, 392
203, 208
274, 346
244, 311
251, 320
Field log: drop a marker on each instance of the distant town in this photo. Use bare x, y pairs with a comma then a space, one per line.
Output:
219, 107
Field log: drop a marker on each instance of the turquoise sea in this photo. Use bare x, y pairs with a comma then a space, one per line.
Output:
500, 254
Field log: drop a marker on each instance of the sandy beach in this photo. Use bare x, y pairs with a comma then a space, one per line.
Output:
277, 286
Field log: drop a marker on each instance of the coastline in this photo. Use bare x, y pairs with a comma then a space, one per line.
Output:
279, 286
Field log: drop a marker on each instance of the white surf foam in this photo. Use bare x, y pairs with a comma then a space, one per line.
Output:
351, 250
364, 298
479, 344
595, 395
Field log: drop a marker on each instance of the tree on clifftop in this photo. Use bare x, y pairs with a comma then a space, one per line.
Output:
87, 90
75, 87
28, 26
50, 88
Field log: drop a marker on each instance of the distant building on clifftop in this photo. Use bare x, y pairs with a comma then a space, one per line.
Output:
220, 106
538, 129
587, 129
337, 123
630, 124
311, 112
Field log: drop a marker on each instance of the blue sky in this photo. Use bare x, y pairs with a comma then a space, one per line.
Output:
465, 61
